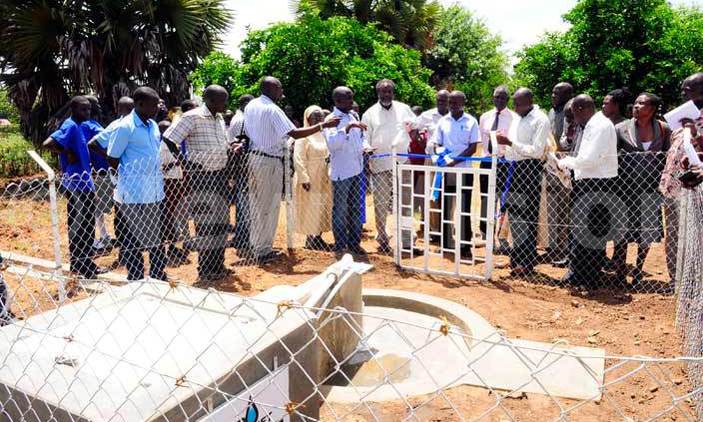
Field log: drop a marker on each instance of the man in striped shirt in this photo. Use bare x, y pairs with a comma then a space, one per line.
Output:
268, 128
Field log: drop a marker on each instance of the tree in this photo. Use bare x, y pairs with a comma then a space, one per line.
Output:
467, 56
645, 45
312, 56
52, 49
409, 22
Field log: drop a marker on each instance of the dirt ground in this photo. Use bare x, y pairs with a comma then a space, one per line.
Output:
624, 324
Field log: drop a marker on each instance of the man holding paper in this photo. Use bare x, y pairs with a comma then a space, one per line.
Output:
670, 186
526, 148
595, 168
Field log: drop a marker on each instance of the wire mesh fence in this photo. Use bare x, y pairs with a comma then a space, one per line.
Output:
151, 350
255, 210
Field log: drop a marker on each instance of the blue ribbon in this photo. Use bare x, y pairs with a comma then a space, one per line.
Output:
440, 161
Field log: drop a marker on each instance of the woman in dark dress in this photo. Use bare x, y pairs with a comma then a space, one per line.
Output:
642, 145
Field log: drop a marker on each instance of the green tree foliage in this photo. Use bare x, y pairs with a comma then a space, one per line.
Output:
217, 68
645, 45
312, 56
52, 49
7, 109
409, 22
467, 56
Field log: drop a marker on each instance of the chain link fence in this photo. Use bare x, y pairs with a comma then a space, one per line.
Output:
167, 351
216, 220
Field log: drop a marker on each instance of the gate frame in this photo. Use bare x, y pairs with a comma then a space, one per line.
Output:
491, 197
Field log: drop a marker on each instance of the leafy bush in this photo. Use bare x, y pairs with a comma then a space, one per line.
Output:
7, 109
15, 161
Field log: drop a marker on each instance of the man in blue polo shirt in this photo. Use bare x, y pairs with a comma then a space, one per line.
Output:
71, 146
134, 151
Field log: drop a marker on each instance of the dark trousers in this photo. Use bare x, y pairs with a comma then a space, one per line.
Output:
501, 178
592, 224
450, 186
346, 212
523, 205
119, 233
5, 312
173, 218
81, 232
142, 232
210, 212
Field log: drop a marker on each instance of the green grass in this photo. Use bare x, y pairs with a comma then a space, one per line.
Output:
14, 160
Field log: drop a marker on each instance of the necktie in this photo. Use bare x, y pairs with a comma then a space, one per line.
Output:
493, 129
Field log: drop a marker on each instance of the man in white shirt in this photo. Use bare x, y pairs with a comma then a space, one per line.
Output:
527, 149
384, 121
237, 169
498, 119
595, 167
458, 132
346, 145
268, 128
428, 120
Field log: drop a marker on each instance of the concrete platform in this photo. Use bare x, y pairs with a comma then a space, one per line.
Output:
409, 357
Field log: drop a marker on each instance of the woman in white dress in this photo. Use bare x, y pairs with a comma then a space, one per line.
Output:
312, 193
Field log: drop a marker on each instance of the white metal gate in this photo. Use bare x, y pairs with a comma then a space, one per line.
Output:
432, 215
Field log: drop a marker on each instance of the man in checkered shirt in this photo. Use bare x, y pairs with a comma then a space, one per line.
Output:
203, 131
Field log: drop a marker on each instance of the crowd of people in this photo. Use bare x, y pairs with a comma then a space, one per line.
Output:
605, 176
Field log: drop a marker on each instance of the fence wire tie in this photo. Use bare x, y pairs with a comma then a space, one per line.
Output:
282, 307
444, 329
69, 338
180, 381
292, 407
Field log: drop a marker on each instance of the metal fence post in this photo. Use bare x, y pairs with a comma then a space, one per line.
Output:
288, 197
396, 208
53, 206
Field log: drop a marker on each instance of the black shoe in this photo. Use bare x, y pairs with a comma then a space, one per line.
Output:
385, 249
466, 254
560, 263
338, 254
358, 250
316, 243
269, 257
636, 278
215, 276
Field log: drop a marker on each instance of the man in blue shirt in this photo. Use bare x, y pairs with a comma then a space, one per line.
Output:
71, 146
103, 186
134, 151
346, 145
458, 133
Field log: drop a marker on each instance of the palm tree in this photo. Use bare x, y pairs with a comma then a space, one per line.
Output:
52, 49
409, 22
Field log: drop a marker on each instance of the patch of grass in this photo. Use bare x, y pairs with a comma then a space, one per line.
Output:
14, 160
